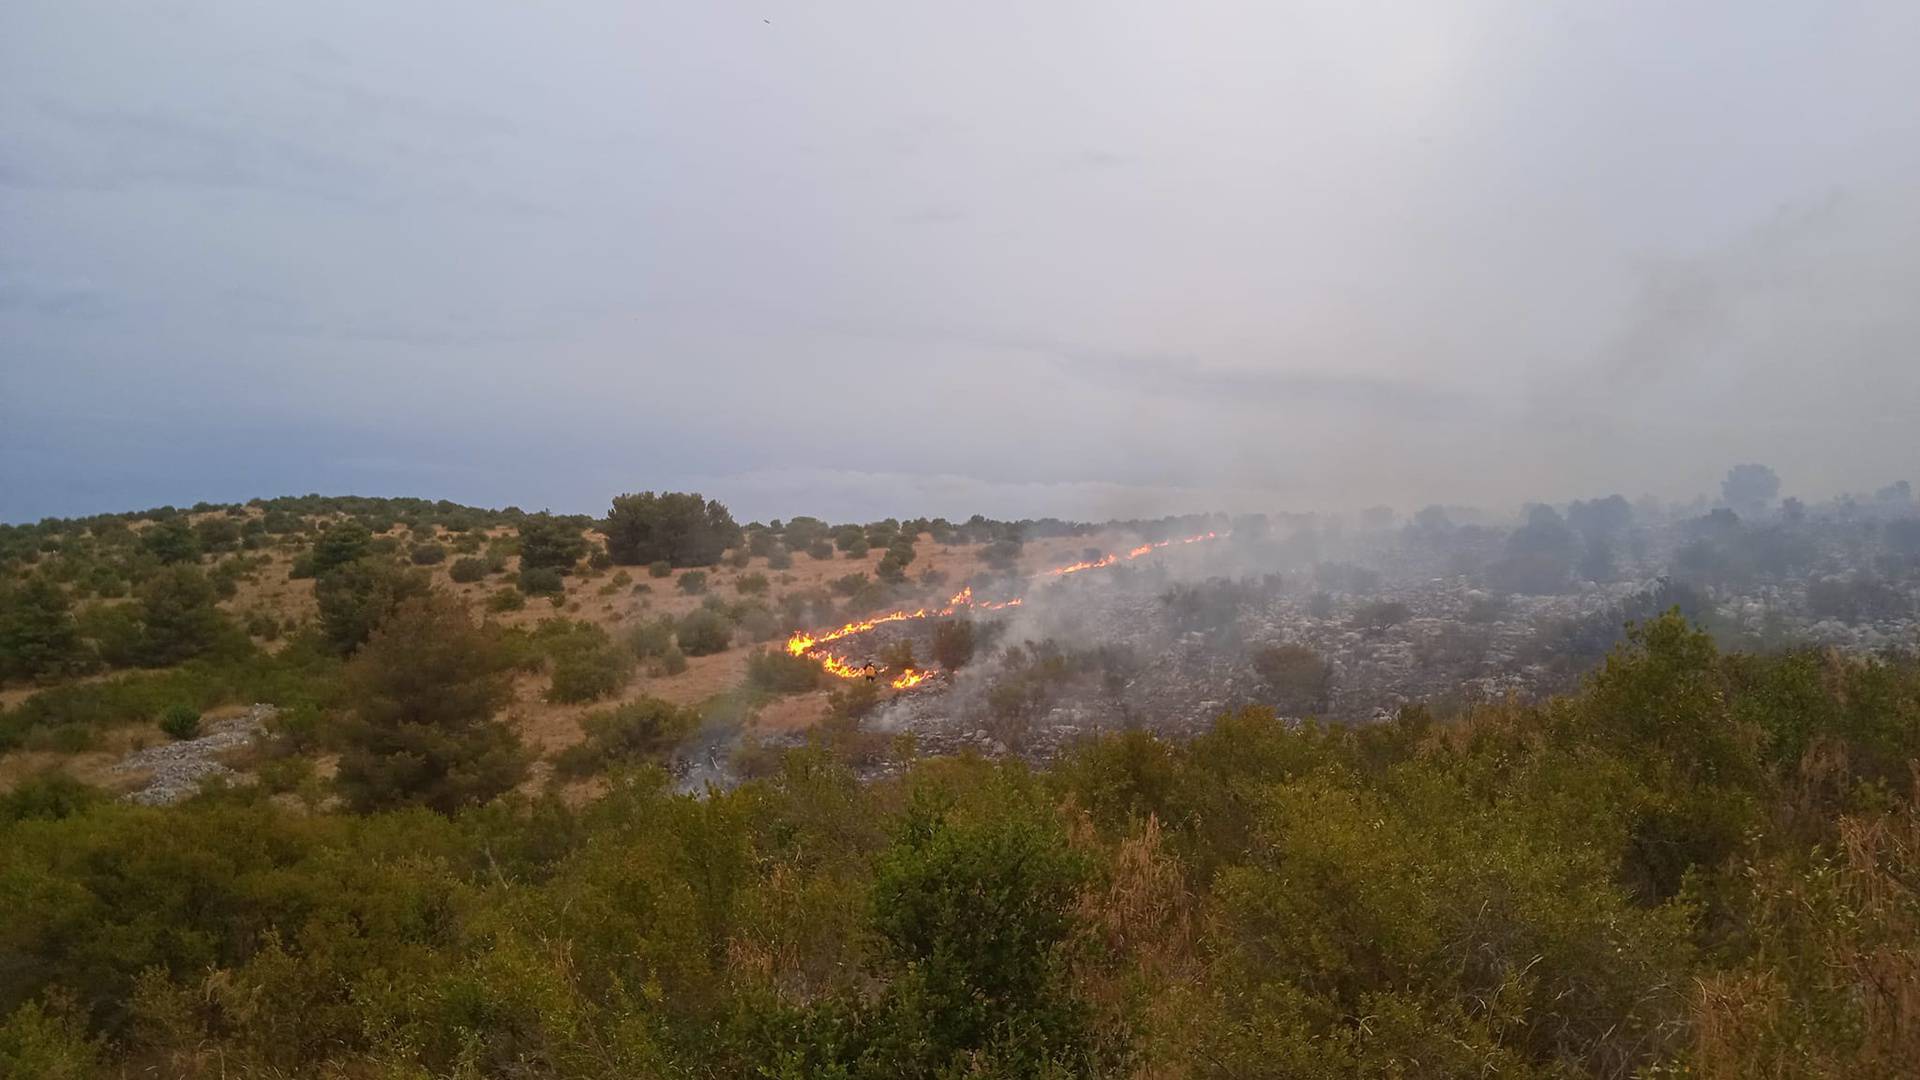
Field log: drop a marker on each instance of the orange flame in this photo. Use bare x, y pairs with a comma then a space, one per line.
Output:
837, 667
1104, 560
802, 643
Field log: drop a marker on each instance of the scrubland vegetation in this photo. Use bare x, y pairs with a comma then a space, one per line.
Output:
467, 847
1699, 862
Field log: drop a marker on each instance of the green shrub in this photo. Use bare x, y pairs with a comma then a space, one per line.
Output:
683, 529
780, 559
179, 617
780, 672
428, 554
341, 544
693, 582
672, 662
759, 624
750, 584
49, 795
953, 643
542, 581
217, 534
651, 637
467, 569
587, 665
550, 543
660, 568
171, 542
1001, 554
600, 560
180, 721
39, 637
507, 599
50, 1043
422, 692
639, 731
282, 775
263, 625
704, 632
356, 597
820, 549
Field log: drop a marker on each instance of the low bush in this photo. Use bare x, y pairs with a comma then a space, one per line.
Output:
542, 581
631, 734
671, 662
180, 721
953, 643
778, 671
467, 569
704, 632
650, 638
660, 568
50, 795
590, 673
693, 582
428, 554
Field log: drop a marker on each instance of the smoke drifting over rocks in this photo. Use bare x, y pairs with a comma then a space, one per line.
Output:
1387, 613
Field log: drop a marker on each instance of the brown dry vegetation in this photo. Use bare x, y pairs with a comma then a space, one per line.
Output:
590, 596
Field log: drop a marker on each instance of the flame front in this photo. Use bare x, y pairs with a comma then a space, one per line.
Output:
1104, 560
803, 643
837, 667
911, 677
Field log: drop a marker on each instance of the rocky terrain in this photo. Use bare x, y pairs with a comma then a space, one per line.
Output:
1401, 623
177, 770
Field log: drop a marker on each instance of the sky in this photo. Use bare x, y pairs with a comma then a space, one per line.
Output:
1085, 260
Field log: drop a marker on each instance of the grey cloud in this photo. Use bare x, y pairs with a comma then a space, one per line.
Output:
1119, 259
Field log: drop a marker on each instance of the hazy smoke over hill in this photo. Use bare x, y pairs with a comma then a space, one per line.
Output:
863, 260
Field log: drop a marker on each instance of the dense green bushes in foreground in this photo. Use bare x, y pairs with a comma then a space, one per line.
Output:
1701, 865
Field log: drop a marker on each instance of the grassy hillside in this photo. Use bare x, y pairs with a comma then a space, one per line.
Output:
457, 850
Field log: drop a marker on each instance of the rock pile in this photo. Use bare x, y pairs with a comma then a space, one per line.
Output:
180, 768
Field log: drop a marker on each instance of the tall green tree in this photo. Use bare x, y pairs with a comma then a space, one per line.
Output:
179, 616
422, 694
547, 542
685, 529
356, 597
171, 541
38, 635
341, 544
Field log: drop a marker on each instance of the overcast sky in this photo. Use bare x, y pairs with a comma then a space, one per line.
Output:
880, 259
